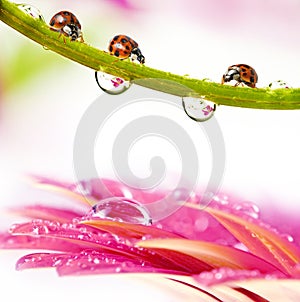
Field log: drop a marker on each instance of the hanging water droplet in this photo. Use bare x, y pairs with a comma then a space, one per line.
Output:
31, 11
122, 210
279, 84
111, 84
198, 109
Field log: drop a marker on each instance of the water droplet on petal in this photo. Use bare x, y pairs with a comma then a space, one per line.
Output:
279, 84
288, 237
31, 11
40, 230
198, 109
248, 208
111, 84
122, 210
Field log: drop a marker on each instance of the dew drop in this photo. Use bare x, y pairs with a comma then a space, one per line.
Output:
40, 230
31, 11
122, 210
111, 84
288, 237
248, 208
201, 224
83, 188
278, 84
198, 109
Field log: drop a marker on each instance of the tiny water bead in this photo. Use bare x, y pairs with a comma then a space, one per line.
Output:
31, 11
279, 84
111, 84
199, 110
121, 210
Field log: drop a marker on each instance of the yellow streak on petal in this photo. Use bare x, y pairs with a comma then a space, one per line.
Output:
128, 229
213, 254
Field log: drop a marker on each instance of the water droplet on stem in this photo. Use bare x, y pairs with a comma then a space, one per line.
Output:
111, 84
198, 109
31, 11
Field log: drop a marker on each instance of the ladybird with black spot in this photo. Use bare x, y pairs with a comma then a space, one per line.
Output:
67, 24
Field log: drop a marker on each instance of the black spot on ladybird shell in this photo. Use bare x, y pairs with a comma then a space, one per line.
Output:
110, 48
243, 69
252, 72
66, 13
52, 22
115, 38
117, 53
124, 40
127, 47
252, 79
244, 74
126, 52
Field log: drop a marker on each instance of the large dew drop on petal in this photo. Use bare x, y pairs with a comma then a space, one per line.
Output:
122, 210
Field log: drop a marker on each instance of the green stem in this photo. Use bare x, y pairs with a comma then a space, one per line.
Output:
96, 59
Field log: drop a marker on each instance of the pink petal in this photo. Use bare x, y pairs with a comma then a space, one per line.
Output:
93, 190
260, 241
39, 260
213, 254
47, 213
132, 231
224, 274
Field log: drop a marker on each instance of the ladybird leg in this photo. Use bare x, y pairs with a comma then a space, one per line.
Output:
80, 39
60, 34
223, 79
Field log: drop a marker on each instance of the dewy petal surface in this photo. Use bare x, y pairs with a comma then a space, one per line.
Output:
260, 241
213, 254
220, 246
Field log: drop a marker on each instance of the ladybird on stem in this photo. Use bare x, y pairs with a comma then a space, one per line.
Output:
124, 47
242, 74
67, 24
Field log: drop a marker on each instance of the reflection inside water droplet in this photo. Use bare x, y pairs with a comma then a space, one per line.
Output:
31, 11
111, 84
122, 210
279, 84
198, 109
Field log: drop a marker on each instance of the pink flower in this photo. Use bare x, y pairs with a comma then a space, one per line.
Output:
223, 252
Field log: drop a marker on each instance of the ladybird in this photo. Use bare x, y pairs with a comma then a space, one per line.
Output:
67, 24
241, 73
124, 47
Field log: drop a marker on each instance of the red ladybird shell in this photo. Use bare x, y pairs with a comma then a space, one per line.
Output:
63, 18
121, 46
